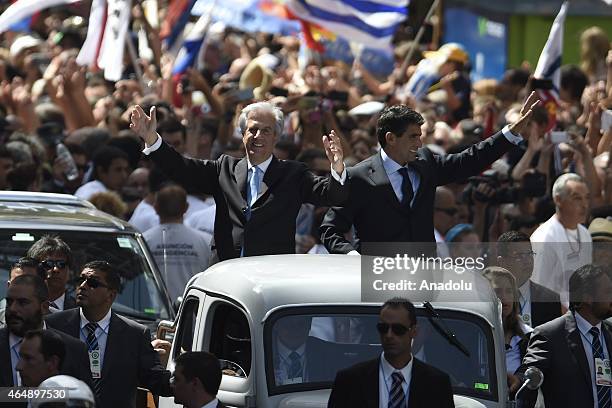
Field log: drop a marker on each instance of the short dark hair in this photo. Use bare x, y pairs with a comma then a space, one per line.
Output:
170, 125
203, 365
400, 302
51, 344
105, 155
25, 262
171, 201
573, 80
396, 119
47, 245
36, 282
583, 283
509, 237
113, 279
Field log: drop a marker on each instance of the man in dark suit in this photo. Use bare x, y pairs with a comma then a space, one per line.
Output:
392, 193
54, 257
196, 380
395, 379
569, 349
537, 304
23, 266
121, 357
258, 197
41, 356
26, 300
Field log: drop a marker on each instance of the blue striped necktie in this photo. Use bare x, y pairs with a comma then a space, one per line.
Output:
396, 395
603, 392
92, 344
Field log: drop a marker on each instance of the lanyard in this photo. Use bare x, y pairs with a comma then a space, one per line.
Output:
387, 385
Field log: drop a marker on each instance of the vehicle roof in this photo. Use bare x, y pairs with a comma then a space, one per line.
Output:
25, 210
264, 283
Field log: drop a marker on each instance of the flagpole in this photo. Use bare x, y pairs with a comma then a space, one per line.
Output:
134, 57
417, 38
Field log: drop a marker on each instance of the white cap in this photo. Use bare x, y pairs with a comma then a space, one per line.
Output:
367, 108
23, 43
77, 390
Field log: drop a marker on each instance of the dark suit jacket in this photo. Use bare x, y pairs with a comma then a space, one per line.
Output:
76, 362
357, 386
129, 358
545, 304
69, 302
271, 228
556, 349
374, 209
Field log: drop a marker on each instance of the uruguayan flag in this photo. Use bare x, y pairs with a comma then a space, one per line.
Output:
549, 64
369, 22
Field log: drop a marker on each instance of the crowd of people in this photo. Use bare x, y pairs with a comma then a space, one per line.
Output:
270, 149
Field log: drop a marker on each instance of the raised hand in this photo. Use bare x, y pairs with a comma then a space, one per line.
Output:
333, 149
520, 125
144, 126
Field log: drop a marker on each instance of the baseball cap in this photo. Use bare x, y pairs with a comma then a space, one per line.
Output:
449, 52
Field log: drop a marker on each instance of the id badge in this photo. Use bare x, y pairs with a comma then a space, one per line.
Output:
526, 318
95, 365
603, 376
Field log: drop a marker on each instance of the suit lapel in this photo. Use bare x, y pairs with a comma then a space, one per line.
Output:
270, 178
607, 336
240, 172
416, 385
575, 345
6, 370
419, 166
379, 177
113, 344
370, 384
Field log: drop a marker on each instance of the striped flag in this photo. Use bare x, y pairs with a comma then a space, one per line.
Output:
549, 65
369, 22
25, 8
91, 47
113, 39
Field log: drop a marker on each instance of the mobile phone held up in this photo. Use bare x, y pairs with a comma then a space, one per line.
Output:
559, 137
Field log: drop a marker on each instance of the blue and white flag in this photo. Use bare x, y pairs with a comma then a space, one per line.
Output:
193, 42
25, 8
369, 22
549, 64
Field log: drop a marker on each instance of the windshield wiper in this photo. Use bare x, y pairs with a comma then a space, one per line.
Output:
444, 331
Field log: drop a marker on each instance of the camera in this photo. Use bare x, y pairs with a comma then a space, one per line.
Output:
532, 185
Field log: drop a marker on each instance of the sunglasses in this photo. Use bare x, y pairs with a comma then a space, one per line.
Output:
396, 328
49, 264
449, 211
92, 282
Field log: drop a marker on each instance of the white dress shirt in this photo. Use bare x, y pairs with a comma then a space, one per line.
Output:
59, 302
392, 169
525, 302
281, 372
385, 381
14, 347
211, 404
101, 333
587, 342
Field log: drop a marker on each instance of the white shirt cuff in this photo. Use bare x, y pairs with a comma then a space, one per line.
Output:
353, 252
512, 138
339, 178
150, 149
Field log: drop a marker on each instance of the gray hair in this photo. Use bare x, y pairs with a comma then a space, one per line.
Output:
559, 188
264, 106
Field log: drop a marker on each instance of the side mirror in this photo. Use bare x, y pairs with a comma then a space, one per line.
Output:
164, 327
177, 304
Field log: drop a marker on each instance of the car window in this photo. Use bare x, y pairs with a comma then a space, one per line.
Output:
186, 328
141, 296
230, 339
306, 350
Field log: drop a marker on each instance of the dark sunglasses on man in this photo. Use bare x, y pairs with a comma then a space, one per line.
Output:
92, 282
49, 264
396, 328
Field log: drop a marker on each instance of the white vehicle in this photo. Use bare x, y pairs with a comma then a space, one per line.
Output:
237, 308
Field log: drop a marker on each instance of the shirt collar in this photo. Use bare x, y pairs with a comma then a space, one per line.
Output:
284, 351
525, 289
103, 323
390, 165
262, 166
60, 301
211, 404
583, 325
14, 339
388, 369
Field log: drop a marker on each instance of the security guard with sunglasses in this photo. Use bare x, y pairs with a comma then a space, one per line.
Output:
54, 257
121, 357
395, 379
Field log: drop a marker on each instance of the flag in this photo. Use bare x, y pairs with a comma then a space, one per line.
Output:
549, 65
25, 8
113, 40
369, 22
175, 22
91, 47
425, 75
190, 49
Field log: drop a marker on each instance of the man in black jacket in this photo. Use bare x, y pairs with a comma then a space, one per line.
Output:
395, 379
258, 197
196, 380
121, 357
392, 193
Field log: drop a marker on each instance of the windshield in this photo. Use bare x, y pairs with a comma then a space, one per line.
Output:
304, 351
140, 296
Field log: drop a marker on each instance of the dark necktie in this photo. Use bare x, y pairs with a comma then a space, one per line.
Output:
603, 392
54, 305
396, 395
407, 192
92, 344
295, 368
